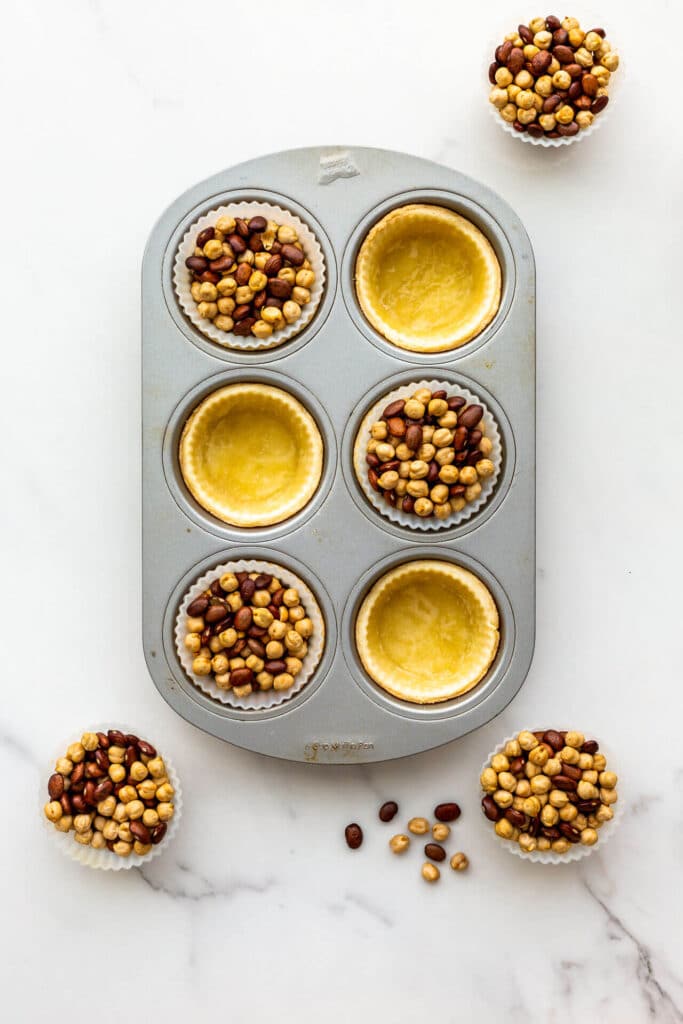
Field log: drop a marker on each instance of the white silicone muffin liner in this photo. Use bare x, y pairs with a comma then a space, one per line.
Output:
410, 520
262, 699
182, 278
104, 859
543, 141
576, 851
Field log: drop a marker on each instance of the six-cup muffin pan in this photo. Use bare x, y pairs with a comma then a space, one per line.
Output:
338, 366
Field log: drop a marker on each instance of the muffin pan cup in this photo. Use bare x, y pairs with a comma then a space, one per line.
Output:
339, 544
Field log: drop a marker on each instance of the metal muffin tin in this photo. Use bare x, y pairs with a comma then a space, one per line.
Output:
339, 544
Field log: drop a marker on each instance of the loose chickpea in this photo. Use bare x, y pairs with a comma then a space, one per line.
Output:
156, 767
458, 504
544, 86
89, 741
107, 806
449, 475
304, 627
503, 78
286, 234
399, 843
503, 798
192, 642
440, 831
418, 826
592, 41
523, 788
504, 829
194, 291
430, 872
82, 822
459, 862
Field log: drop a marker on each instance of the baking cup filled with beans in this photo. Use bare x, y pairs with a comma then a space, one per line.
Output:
112, 799
249, 276
550, 795
250, 634
428, 455
551, 80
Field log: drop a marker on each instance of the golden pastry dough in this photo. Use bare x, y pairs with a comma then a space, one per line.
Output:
427, 631
251, 455
427, 279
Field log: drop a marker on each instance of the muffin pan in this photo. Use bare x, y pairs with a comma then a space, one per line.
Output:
338, 366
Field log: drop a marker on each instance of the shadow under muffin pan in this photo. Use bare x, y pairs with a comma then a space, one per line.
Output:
338, 544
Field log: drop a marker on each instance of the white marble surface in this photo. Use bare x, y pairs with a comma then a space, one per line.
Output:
258, 912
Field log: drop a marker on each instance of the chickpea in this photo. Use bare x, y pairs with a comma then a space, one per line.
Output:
503, 78
610, 61
262, 617
489, 780
445, 456
426, 452
569, 755
485, 467
523, 788
539, 755
76, 752
226, 286
504, 829
604, 813
414, 409
564, 114
65, 823
53, 810
301, 295
64, 766
234, 601
532, 806
418, 826
568, 812
590, 776
543, 39
261, 329
201, 666
208, 292
207, 310
589, 837
194, 624
84, 838
166, 810
156, 767
525, 99
290, 598
500, 763
417, 488
283, 681
122, 849
305, 278
608, 796
524, 80
587, 791
549, 815
503, 798
440, 831
526, 116
557, 798
294, 666
540, 784
531, 770
512, 749
560, 845
378, 431
599, 762
584, 58
439, 494
506, 780
82, 823
291, 311
138, 771
449, 419
423, 507
459, 862
442, 438
399, 843
194, 291
608, 780
430, 872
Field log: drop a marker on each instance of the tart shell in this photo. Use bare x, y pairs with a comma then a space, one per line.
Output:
427, 631
251, 454
427, 278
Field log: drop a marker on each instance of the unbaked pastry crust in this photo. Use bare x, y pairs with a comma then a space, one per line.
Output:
427, 631
251, 454
427, 279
